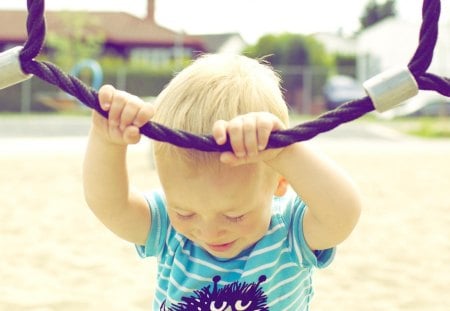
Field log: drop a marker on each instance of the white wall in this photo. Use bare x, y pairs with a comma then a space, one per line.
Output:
392, 43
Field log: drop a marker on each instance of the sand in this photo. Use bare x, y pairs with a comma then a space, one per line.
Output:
55, 255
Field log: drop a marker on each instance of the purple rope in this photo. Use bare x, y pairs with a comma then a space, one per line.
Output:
344, 113
423, 56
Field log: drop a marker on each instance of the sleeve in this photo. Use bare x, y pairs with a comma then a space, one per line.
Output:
293, 212
158, 228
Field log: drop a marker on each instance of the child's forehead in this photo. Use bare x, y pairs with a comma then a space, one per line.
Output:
176, 164
205, 168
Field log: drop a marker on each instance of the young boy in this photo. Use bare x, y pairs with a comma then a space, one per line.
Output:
227, 231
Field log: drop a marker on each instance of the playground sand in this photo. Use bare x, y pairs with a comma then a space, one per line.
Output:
55, 255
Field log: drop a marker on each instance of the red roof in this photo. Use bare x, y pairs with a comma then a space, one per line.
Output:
118, 28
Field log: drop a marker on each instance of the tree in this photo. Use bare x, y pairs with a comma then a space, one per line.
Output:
77, 37
290, 54
300, 59
375, 12
289, 50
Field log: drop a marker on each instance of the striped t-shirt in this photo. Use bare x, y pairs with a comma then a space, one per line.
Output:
273, 274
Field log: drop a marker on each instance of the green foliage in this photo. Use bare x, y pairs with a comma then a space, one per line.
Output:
424, 127
78, 37
375, 12
431, 128
110, 63
289, 50
294, 56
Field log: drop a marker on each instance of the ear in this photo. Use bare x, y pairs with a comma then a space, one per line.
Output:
281, 187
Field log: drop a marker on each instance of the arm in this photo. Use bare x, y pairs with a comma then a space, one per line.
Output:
333, 202
105, 177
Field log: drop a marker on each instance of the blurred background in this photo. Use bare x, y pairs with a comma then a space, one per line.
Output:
323, 56
57, 256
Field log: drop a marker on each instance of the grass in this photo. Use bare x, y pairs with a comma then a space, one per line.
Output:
31, 115
425, 127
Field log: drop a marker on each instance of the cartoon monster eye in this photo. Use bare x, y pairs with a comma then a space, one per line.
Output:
240, 307
221, 308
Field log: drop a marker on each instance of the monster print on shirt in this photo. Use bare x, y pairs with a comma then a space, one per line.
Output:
232, 297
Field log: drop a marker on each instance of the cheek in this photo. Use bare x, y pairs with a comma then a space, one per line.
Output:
256, 225
183, 227
249, 230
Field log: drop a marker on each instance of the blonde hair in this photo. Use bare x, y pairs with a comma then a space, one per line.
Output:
217, 87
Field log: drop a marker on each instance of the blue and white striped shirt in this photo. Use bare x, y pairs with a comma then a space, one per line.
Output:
273, 274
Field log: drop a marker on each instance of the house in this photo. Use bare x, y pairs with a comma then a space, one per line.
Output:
223, 43
392, 42
124, 34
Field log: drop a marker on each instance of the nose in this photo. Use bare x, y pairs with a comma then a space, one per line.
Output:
210, 230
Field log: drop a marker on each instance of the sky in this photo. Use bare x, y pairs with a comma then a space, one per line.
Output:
251, 18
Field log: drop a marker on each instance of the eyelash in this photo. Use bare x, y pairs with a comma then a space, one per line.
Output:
230, 219
235, 219
184, 217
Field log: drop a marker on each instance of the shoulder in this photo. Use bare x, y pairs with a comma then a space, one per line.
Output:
290, 210
289, 207
159, 224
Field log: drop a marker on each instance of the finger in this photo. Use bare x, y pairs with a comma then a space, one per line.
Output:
129, 112
265, 126
99, 120
230, 158
105, 96
220, 132
236, 134
131, 135
117, 105
144, 115
250, 135
115, 134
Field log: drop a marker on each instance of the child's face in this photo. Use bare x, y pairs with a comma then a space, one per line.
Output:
225, 211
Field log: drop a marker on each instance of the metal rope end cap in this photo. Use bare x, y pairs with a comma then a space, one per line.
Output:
10, 70
390, 88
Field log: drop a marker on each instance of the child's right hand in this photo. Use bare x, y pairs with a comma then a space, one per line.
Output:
249, 136
127, 113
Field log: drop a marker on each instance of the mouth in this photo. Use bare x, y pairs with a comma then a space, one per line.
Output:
220, 247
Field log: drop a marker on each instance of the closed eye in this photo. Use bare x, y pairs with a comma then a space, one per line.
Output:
235, 219
184, 216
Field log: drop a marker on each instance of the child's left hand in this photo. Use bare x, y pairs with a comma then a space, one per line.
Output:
249, 135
